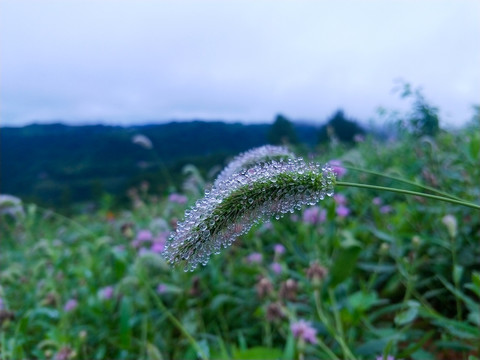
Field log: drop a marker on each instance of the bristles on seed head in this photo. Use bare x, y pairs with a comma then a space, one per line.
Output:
233, 206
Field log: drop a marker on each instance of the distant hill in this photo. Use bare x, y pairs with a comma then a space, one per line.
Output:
58, 164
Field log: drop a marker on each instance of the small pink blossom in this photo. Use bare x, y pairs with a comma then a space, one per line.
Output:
161, 288
385, 209
314, 215
340, 199
342, 211
254, 258
279, 249
377, 201
157, 247
70, 305
158, 244
106, 293
338, 168
142, 236
177, 198
389, 357
276, 268
303, 330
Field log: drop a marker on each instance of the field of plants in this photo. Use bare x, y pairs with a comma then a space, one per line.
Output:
364, 274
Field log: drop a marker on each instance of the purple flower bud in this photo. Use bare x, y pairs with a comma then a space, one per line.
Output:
144, 235
177, 198
314, 215
161, 288
276, 268
303, 330
106, 293
385, 209
337, 167
279, 249
342, 211
254, 258
70, 305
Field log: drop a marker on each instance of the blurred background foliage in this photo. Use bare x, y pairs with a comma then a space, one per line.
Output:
371, 274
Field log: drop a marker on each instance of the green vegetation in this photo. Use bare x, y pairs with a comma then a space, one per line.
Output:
57, 165
361, 275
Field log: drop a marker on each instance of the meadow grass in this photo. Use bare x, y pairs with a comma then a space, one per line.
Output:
362, 275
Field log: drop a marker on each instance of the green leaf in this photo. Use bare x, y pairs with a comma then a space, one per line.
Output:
345, 261
258, 352
124, 328
414, 347
361, 301
383, 236
457, 273
407, 316
289, 351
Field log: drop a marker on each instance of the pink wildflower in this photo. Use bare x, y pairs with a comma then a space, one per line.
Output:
337, 168
342, 211
144, 235
161, 288
314, 215
157, 247
159, 242
385, 209
177, 198
279, 249
70, 305
377, 201
254, 258
389, 357
276, 268
106, 293
303, 330
340, 199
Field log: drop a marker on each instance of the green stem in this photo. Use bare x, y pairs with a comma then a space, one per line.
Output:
174, 320
334, 332
428, 188
455, 280
409, 192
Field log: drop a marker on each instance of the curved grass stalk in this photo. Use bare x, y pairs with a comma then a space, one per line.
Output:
409, 192
405, 181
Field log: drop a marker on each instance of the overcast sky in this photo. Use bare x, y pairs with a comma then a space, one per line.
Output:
127, 62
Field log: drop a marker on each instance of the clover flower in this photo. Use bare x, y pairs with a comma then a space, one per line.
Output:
253, 157
279, 249
342, 211
254, 258
303, 330
314, 215
338, 168
70, 305
233, 206
276, 268
177, 198
106, 293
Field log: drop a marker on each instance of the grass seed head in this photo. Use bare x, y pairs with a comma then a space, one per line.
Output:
233, 206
